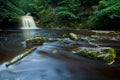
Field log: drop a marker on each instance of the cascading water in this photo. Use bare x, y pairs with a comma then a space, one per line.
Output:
28, 22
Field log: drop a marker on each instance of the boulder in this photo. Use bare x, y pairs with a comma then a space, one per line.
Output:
38, 40
73, 36
106, 54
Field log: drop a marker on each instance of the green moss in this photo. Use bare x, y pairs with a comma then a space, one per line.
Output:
39, 40
64, 35
73, 36
106, 54
109, 59
60, 41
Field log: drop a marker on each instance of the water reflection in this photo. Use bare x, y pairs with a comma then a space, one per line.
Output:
27, 34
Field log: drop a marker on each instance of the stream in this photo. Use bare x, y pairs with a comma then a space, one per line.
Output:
56, 60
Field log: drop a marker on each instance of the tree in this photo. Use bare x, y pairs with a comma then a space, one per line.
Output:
107, 16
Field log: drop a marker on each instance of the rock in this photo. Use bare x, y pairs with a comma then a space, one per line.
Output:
38, 40
21, 56
106, 54
73, 36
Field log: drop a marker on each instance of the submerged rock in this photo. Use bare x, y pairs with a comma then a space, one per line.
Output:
38, 40
106, 54
73, 36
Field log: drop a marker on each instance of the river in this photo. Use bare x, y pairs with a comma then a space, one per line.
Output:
55, 60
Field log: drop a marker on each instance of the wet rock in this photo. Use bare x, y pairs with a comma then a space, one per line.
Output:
19, 57
38, 40
106, 33
86, 32
106, 54
73, 36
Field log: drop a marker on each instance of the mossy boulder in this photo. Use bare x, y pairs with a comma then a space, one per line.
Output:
106, 54
73, 36
38, 40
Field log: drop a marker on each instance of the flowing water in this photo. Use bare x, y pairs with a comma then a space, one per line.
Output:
55, 60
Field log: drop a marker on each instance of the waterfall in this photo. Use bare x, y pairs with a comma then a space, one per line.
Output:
28, 22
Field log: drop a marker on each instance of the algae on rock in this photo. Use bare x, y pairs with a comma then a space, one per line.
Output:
73, 36
106, 54
38, 40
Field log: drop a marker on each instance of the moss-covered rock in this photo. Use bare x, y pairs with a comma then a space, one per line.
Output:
38, 40
106, 54
73, 36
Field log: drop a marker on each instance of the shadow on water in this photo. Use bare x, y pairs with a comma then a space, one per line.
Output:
54, 60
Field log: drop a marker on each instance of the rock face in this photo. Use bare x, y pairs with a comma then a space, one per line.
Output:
73, 36
106, 54
35, 41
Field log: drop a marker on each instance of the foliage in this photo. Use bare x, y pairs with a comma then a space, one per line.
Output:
73, 13
9, 10
12, 10
66, 15
89, 2
46, 17
107, 16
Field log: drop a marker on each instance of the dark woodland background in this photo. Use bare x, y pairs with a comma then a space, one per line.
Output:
66, 14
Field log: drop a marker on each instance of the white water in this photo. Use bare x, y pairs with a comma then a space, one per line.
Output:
28, 22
